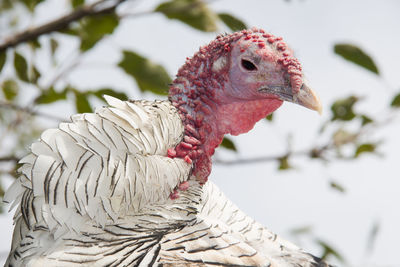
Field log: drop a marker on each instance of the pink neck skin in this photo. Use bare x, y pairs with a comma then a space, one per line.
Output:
208, 114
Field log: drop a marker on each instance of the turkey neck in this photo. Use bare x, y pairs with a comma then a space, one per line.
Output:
193, 94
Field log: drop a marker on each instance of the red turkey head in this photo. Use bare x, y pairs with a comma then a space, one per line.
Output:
229, 85
266, 66
260, 73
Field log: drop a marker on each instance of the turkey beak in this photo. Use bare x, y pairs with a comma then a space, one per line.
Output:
306, 97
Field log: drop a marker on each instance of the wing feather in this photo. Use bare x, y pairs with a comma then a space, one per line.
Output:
101, 165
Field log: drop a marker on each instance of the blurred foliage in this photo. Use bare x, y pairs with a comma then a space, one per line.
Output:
343, 137
194, 13
81, 102
148, 75
301, 230
93, 29
284, 163
357, 56
365, 120
53, 46
31, 4
2, 59
233, 23
19, 73
77, 3
365, 148
376, 226
21, 67
228, 144
99, 93
329, 251
50, 95
198, 15
342, 109
10, 89
396, 101
334, 185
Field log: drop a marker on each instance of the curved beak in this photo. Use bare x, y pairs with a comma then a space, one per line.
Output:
306, 97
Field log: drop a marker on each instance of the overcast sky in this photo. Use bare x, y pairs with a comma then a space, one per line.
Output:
301, 197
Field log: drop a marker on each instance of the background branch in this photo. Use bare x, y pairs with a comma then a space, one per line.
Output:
8, 105
316, 152
96, 8
9, 158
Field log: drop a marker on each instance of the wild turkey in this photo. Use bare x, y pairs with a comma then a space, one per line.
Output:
127, 185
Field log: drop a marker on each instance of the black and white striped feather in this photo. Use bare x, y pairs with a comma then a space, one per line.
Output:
95, 192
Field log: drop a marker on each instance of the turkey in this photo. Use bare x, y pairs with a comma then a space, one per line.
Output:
127, 185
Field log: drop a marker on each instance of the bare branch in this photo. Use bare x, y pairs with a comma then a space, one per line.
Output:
246, 160
9, 158
316, 152
97, 8
27, 110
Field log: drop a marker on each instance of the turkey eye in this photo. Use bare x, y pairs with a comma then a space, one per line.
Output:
248, 65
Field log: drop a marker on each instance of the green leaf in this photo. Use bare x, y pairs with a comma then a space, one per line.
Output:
111, 92
53, 45
338, 187
194, 13
82, 104
396, 101
301, 230
77, 3
70, 31
354, 54
365, 120
148, 75
284, 163
270, 117
94, 28
35, 75
50, 96
21, 67
2, 59
365, 148
228, 144
31, 4
232, 22
6, 4
34, 43
342, 109
1, 191
328, 250
1, 194
10, 89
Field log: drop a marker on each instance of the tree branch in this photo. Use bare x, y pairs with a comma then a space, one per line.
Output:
316, 152
27, 110
247, 160
97, 8
9, 158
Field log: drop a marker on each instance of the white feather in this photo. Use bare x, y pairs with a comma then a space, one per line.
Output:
95, 192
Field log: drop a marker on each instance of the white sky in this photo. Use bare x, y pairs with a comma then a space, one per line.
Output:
284, 200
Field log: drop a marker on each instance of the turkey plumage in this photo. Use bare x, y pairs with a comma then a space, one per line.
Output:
127, 185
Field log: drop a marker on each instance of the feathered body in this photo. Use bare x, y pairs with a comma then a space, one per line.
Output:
127, 185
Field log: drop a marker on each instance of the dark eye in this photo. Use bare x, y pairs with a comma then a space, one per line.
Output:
248, 65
